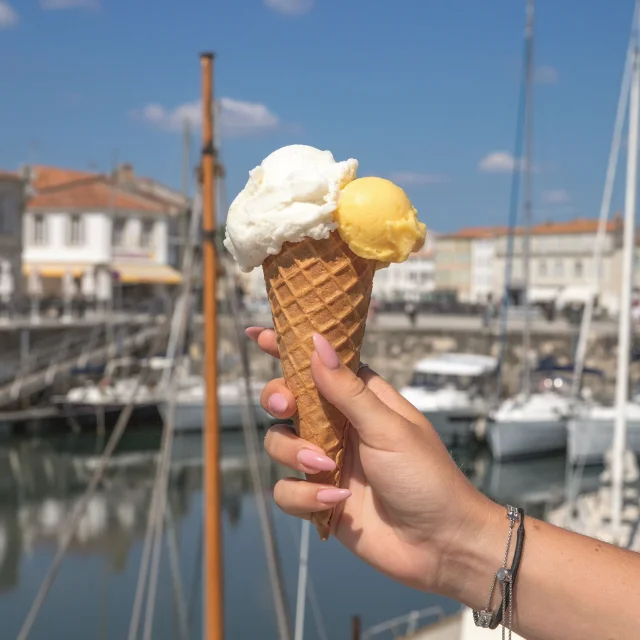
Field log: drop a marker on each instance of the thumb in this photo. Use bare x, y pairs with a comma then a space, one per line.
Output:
378, 426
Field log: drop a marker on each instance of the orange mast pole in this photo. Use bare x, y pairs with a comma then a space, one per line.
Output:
213, 599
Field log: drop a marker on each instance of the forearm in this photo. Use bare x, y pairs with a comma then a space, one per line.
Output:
568, 585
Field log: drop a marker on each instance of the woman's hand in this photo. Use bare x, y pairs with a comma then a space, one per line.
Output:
404, 506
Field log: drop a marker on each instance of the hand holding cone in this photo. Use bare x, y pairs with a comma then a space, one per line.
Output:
318, 286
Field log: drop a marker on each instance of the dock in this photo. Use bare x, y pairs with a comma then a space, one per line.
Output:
61, 350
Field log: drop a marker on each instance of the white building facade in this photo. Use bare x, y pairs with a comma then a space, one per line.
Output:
412, 280
562, 267
77, 222
483, 252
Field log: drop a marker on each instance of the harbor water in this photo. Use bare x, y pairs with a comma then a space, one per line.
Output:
42, 480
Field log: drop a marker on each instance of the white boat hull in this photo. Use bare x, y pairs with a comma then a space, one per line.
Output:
520, 438
189, 415
590, 438
454, 428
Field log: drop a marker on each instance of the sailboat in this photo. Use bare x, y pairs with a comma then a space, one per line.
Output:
610, 434
594, 428
534, 421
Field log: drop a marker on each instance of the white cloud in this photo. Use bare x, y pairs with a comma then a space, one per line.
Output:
8, 16
237, 119
417, 178
502, 162
55, 5
556, 196
290, 7
546, 75
497, 162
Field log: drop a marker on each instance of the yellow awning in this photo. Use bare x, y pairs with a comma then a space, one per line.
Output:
146, 274
55, 270
125, 273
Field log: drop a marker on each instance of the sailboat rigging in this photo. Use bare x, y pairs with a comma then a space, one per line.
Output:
593, 428
624, 339
528, 170
530, 423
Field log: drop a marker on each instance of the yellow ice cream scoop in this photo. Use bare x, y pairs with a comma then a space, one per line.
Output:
377, 220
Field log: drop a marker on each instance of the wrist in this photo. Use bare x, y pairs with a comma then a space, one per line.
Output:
474, 555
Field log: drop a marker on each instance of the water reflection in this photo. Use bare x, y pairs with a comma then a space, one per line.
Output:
41, 483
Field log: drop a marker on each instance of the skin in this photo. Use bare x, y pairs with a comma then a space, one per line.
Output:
406, 509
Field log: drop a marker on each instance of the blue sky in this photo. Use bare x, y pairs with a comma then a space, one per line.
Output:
418, 90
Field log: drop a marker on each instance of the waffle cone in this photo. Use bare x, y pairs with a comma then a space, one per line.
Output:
318, 286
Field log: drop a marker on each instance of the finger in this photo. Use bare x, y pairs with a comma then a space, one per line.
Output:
391, 397
298, 497
253, 332
285, 447
378, 426
277, 399
265, 338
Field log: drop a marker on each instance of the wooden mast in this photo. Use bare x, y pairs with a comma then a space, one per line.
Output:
213, 601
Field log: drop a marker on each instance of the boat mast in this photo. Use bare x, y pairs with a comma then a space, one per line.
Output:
514, 205
624, 331
528, 170
213, 604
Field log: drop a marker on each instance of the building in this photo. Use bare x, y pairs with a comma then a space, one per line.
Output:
464, 263
11, 208
82, 222
409, 280
412, 280
562, 264
177, 204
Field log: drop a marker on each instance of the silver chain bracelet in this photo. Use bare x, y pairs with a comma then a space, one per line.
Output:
504, 576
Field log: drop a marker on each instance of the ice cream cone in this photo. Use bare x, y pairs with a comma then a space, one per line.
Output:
318, 286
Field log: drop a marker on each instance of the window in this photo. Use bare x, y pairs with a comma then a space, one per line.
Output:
542, 268
558, 269
119, 226
146, 238
76, 230
578, 269
39, 230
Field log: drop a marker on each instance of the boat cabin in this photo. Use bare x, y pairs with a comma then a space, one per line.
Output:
463, 371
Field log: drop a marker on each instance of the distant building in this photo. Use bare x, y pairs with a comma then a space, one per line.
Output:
562, 265
412, 280
11, 209
409, 280
178, 207
78, 221
464, 263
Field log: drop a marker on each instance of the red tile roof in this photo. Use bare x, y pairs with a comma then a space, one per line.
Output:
565, 227
44, 177
67, 189
474, 233
579, 225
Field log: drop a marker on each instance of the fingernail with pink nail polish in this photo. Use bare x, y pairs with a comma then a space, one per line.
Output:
315, 461
326, 352
253, 332
332, 496
278, 403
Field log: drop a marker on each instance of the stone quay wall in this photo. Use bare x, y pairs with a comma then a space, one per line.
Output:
393, 351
